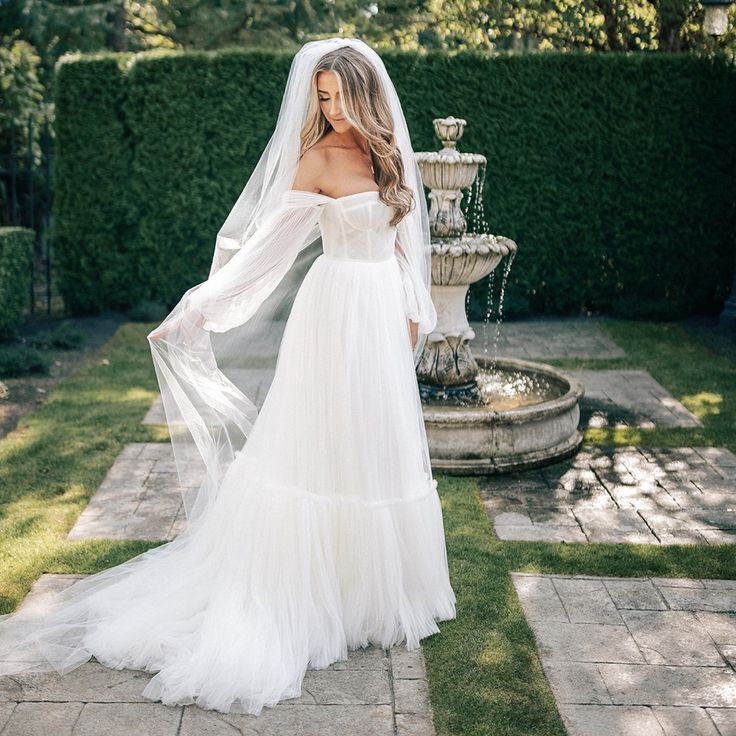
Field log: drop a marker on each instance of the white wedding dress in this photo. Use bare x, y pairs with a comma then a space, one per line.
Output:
326, 533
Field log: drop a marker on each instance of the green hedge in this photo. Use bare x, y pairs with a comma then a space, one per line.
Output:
613, 173
16, 249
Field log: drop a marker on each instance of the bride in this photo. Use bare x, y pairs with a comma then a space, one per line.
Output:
313, 524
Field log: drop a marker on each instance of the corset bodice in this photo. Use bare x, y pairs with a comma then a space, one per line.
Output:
356, 228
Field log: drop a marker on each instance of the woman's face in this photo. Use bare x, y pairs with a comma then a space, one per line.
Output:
330, 102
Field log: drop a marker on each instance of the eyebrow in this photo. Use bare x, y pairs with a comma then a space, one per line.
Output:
325, 92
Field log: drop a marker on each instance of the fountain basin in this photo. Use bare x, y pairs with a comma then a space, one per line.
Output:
480, 440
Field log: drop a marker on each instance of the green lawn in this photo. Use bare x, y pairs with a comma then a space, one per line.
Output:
485, 677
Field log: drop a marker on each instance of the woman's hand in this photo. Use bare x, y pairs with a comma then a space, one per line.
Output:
414, 332
173, 324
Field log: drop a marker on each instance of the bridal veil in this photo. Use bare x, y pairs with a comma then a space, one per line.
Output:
261, 253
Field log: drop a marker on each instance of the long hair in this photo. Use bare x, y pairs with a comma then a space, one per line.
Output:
364, 105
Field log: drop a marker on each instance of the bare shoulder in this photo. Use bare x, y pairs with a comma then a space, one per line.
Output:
310, 168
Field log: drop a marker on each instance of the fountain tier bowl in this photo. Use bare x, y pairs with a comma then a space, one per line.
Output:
480, 440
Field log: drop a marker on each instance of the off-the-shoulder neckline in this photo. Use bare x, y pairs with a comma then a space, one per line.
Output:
334, 199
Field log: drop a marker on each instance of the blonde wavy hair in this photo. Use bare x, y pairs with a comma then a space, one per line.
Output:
364, 105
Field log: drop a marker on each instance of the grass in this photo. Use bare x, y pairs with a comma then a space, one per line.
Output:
51, 464
485, 677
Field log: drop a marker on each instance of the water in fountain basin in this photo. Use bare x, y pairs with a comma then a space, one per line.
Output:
503, 388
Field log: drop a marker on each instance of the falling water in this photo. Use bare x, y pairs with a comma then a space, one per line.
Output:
476, 224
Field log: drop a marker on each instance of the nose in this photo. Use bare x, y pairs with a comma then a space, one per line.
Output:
335, 109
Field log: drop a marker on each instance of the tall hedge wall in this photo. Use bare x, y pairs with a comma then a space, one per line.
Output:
614, 173
16, 248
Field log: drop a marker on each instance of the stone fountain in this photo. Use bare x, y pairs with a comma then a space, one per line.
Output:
482, 415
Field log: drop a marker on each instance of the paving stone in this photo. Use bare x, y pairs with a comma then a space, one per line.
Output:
139, 498
675, 675
587, 601
411, 696
670, 685
576, 682
632, 495
692, 599
352, 696
720, 626
539, 598
539, 533
91, 682
345, 687
123, 719
301, 720
373, 658
42, 719
652, 631
724, 719
677, 721
43, 589
586, 642
718, 536
644, 495
407, 665
6, 710
546, 338
678, 582
718, 456
555, 517
610, 720
681, 536
728, 651
695, 518
412, 724
634, 594
513, 518
629, 398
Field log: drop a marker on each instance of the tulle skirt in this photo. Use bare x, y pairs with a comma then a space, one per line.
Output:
326, 533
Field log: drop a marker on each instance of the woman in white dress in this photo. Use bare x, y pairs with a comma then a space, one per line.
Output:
322, 532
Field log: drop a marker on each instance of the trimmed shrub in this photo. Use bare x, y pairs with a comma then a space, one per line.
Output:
612, 172
16, 249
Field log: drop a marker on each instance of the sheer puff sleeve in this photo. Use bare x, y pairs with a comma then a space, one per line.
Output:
418, 304
232, 294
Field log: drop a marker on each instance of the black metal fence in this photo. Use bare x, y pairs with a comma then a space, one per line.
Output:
26, 191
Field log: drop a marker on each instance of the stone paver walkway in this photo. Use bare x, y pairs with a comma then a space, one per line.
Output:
636, 656
636, 495
626, 398
545, 338
139, 497
375, 692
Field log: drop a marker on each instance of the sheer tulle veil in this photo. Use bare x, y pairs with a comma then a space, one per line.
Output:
264, 247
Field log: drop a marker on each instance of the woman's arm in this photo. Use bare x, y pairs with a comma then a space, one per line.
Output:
410, 305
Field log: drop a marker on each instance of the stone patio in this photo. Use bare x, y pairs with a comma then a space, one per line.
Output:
571, 337
375, 692
629, 398
139, 497
681, 495
636, 656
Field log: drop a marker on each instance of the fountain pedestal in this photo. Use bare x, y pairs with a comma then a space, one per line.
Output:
469, 428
